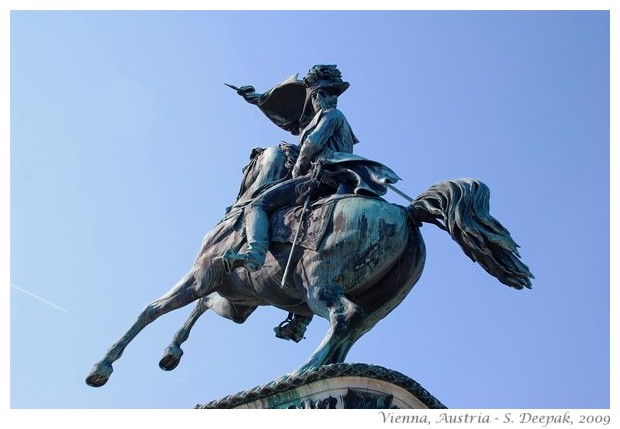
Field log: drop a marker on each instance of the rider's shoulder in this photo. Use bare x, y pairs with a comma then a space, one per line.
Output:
332, 113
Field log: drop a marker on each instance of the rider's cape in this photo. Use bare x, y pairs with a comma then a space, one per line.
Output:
361, 176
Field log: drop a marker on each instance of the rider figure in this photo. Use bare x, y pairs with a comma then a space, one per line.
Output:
323, 137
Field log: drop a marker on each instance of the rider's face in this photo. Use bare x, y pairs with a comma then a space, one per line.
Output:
323, 100
316, 100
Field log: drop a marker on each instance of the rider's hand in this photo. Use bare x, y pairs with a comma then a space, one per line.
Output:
246, 89
248, 93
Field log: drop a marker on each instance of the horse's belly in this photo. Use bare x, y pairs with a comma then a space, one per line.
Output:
263, 288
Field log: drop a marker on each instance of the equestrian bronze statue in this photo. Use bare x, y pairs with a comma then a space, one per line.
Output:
315, 212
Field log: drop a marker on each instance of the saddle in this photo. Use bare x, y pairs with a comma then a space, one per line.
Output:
284, 223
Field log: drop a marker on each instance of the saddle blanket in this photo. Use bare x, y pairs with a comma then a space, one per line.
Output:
284, 223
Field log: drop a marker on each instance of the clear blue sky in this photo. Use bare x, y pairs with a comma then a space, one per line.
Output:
126, 148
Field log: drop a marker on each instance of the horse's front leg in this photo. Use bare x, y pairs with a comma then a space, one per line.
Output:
172, 355
214, 301
188, 289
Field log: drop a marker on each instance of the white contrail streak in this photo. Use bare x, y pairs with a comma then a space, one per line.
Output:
39, 298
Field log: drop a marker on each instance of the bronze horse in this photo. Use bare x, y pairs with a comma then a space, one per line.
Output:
369, 258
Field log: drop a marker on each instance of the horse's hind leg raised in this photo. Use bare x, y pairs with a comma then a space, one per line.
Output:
185, 291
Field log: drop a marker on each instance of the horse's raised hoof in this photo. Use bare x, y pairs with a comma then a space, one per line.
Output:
171, 359
99, 375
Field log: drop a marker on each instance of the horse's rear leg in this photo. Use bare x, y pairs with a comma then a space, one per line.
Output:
344, 316
340, 352
184, 292
214, 301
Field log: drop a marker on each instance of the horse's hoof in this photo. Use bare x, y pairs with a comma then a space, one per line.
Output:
171, 359
99, 375
308, 366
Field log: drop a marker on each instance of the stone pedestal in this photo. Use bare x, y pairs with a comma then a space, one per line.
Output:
348, 386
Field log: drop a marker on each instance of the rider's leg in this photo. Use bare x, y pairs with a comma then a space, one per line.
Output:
257, 230
257, 220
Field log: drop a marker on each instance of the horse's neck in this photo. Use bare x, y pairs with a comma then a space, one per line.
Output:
268, 167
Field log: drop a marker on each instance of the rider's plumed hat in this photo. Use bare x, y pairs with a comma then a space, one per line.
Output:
327, 78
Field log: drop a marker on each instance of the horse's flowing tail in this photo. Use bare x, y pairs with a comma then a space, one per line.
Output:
461, 207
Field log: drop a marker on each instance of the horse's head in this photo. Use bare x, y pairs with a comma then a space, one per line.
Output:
266, 166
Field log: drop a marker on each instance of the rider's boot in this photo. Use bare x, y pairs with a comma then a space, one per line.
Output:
293, 328
257, 230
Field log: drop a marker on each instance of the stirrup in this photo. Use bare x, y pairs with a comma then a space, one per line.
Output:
290, 329
233, 260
